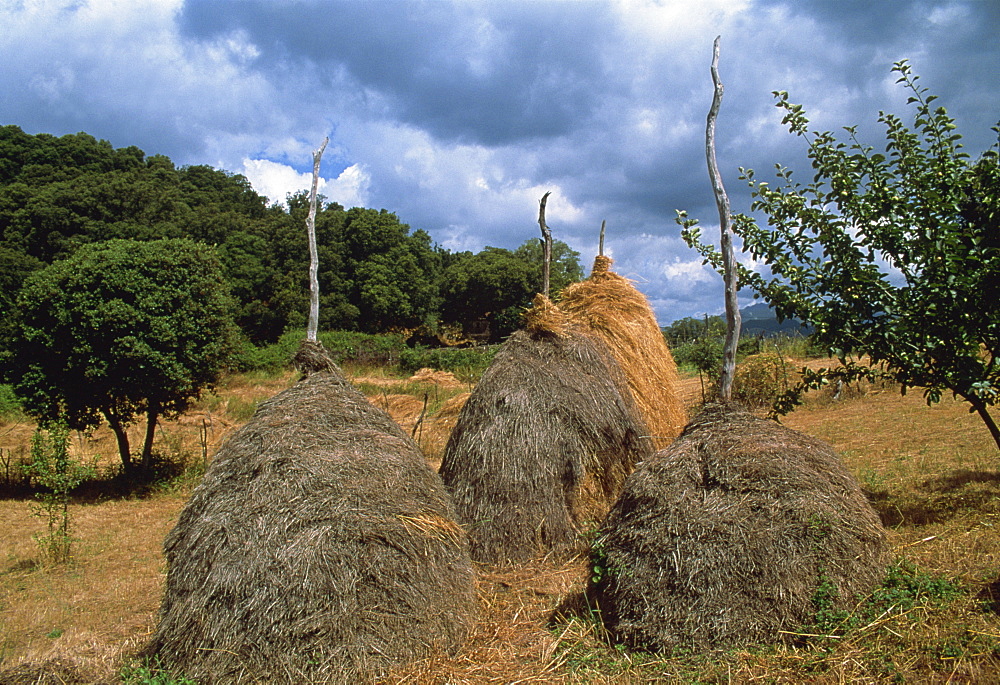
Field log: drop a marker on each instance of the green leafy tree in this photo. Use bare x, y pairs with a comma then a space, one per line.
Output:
392, 274
119, 330
493, 284
565, 268
268, 270
14, 268
892, 255
690, 329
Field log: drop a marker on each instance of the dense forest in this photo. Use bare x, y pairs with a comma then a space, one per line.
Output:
376, 273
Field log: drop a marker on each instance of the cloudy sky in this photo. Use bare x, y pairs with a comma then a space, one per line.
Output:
458, 116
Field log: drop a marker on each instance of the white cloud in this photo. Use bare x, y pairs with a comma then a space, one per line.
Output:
948, 14
663, 23
275, 181
691, 272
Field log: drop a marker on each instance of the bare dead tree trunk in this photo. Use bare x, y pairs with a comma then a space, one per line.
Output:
313, 253
546, 244
600, 247
733, 319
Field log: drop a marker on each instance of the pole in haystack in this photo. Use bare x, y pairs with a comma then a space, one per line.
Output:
711, 545
313, 252
726, 227
600, 246
546, 244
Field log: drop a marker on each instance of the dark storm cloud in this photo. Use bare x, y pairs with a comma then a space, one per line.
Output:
516, 73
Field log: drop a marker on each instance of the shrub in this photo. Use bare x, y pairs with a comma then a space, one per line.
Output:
53, 470
10, 406
383, 349
468, 363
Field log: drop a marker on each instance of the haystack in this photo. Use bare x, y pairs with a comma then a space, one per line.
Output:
610, 306
319, 547
544, 442
724, 538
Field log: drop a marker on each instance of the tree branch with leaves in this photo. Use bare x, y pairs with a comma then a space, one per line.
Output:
891, 256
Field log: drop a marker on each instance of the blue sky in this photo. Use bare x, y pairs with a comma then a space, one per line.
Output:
458, 116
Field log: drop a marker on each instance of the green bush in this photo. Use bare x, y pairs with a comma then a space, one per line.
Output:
151, 673
905, 587
383, 349
468, 363
10, 406
703, 355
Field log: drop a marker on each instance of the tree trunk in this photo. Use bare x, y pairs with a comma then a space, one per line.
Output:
121, 435
152, 414
546, 244
311, 331
733, 319
984, 413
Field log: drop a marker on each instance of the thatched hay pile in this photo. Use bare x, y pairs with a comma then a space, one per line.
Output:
548, 422
723, 538
319, 547
610, 306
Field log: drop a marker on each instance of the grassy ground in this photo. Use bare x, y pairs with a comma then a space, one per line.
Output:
932, 473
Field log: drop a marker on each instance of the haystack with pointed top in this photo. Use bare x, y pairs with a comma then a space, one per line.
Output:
609, 306
319, 547
544, 442
726, 537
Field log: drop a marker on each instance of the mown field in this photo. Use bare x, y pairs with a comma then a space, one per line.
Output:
933, 474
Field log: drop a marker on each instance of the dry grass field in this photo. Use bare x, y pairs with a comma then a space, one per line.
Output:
933, 474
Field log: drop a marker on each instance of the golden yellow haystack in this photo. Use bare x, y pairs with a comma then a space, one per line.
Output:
611, 308
545, 317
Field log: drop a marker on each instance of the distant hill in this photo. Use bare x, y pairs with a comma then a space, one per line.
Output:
759, 319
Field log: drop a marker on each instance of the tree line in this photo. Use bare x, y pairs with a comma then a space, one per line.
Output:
127, 284
58, 194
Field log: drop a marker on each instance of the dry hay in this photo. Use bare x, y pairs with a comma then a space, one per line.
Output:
319, 547
405, 410
433, 434
546, 424
611, 307
445, 379
51, 672
312, 357
724, 538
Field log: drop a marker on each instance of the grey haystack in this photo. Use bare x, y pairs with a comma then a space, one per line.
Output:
544, 442
724, 538
319, 547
